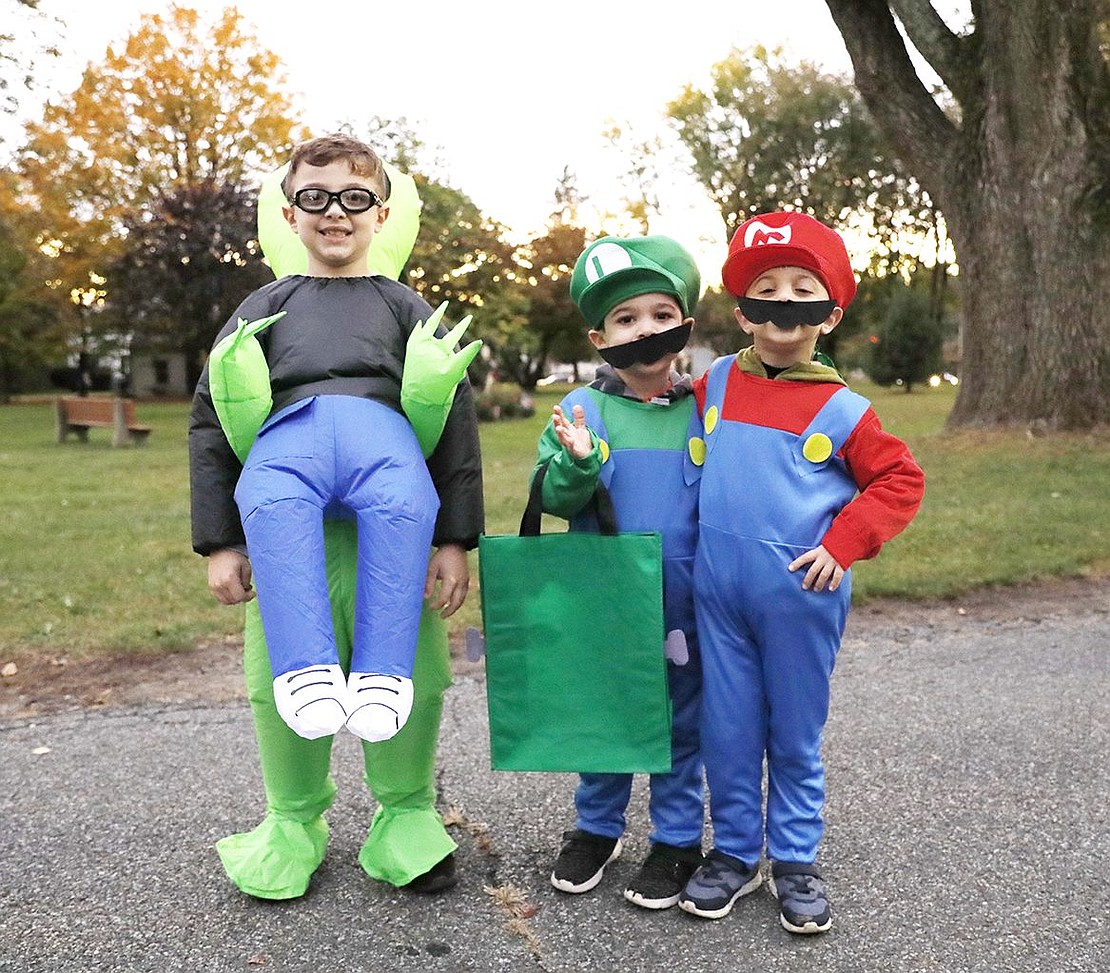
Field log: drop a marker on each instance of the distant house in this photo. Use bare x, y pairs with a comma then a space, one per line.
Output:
157, 374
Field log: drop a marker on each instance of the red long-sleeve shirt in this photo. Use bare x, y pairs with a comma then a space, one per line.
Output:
890, 482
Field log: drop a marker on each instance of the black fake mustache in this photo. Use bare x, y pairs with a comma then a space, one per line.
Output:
786, 314
647, 351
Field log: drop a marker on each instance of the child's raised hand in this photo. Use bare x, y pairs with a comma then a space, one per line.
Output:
573, 435
823, 569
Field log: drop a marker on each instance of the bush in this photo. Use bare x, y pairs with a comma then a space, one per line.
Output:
504, 400
909, 347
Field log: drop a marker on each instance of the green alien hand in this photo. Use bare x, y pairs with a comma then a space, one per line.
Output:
433, 370
239, 381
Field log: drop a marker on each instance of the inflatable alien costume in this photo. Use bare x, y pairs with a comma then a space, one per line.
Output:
407, 843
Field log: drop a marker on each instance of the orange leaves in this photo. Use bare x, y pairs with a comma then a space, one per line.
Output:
181, 102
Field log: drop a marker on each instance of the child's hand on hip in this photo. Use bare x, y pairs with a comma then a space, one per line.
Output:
823, 569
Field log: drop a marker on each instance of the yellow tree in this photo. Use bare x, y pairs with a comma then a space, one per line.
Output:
28, 327
181, 104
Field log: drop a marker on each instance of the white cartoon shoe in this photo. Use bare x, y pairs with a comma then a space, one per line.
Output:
310, 700
379, 705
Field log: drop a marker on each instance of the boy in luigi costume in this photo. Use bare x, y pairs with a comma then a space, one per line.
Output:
628, 430
798, 481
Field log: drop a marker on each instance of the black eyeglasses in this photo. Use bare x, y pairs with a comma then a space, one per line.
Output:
349, 200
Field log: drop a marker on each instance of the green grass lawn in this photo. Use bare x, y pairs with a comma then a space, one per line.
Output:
95, 555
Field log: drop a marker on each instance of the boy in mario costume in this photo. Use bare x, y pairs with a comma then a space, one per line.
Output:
798, 481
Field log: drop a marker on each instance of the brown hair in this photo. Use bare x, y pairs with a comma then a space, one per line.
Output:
331, 148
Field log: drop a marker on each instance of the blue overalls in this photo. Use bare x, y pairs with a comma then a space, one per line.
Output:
346, 457
646, 483
768, 646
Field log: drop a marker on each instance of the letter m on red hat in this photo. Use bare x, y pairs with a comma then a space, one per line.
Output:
788, 239
756, 233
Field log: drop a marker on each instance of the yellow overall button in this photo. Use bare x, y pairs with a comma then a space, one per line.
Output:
711, 418
817, 448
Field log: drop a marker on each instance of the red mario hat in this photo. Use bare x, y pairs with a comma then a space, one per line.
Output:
789, 240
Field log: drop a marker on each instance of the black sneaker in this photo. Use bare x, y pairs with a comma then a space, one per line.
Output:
715, 887
582, 861
663, 876
803, 901
440, 877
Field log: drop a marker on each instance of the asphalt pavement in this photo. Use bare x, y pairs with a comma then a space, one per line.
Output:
967, 830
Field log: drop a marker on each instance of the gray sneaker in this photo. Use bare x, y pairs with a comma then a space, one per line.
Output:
715, 887
803, 901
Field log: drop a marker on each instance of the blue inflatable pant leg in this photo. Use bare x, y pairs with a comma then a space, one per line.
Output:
316, 458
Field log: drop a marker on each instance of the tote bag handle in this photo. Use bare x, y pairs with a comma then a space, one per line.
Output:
601, 503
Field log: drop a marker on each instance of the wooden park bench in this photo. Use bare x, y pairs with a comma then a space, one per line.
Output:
79, 415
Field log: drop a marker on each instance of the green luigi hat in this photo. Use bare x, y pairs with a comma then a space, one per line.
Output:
611, 270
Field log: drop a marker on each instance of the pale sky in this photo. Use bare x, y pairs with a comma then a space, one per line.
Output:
510, 92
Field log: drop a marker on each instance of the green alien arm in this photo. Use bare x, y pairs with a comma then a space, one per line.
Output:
433, 370
239, 381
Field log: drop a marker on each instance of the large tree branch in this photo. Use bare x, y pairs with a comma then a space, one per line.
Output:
922, 136
938, 44
1091, 79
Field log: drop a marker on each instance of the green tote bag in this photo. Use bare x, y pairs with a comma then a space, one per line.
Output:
575, 674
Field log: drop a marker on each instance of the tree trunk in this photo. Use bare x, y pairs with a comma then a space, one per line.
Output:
1036, 306
1021, 178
